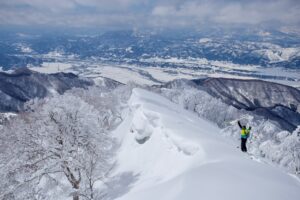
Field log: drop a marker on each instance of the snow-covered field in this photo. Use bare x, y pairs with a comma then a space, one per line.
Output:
169, 153
179, 68
52, 67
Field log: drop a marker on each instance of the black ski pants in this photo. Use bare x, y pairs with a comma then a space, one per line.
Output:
243, 144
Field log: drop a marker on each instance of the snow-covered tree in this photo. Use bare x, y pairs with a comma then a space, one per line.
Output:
61, 145
283, 149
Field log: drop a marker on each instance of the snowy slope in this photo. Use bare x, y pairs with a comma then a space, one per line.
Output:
23, 85
168, 153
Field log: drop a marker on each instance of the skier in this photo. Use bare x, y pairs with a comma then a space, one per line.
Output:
245, 132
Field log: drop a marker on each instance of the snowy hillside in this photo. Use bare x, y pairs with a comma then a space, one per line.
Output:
251, 94
169, 153
274, 117
280, 54
273, 101
131, 144
23, 85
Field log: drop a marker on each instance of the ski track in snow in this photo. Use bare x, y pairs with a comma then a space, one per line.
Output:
171, 154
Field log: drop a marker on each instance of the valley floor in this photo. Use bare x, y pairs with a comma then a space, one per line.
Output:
154, 74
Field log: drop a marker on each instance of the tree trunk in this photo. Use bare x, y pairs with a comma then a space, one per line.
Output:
75, 195
74, 182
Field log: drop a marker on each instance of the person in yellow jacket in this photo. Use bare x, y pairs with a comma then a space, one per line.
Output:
245, 133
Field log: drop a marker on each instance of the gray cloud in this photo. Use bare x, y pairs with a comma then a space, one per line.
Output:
148, 13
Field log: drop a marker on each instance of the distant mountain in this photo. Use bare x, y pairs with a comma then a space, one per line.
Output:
272, 101
275, 101
258, 47
22, 85
251, 94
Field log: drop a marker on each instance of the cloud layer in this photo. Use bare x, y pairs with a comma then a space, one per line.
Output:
148, 13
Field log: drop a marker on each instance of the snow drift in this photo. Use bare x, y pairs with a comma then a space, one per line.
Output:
169, 153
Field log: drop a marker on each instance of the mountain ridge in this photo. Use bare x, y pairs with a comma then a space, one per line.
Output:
23, 84
270, 100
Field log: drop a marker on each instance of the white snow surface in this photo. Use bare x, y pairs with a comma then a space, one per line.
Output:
275, 53
205, 40
175, 155
52, 67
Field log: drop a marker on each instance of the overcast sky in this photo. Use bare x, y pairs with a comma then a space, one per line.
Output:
148, 13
